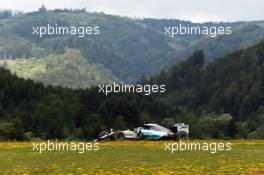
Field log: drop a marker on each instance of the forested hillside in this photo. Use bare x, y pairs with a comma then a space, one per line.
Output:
125, 50
244, 34
231, 85
224, 99
125, 47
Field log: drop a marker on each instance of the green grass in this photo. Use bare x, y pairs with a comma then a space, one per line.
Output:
27, 68
73, 72
133, 157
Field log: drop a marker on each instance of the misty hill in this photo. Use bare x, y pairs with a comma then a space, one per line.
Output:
244, 34
125, 50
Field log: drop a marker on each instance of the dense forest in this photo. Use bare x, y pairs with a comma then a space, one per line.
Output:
223, 99
126, 49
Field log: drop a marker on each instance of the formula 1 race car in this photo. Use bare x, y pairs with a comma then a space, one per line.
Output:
148, 131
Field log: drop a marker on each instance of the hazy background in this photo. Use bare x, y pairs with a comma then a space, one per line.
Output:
194, 10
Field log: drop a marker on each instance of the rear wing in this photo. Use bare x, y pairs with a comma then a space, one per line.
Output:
180, 127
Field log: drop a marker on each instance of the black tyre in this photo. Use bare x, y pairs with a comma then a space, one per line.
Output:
112, 137
119, 136
182, 136
140, 135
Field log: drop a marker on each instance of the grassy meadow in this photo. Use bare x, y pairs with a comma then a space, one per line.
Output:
25, 68
132, 157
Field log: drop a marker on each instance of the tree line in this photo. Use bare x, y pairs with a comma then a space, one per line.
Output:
224, 99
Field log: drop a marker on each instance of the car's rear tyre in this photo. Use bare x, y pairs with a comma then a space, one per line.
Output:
119, 136
182, 136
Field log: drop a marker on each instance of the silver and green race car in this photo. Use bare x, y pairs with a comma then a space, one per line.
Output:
150, 131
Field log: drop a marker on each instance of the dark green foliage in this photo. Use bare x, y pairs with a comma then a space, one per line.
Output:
72, 70
127, 48
221, 100
244, 34
231, 85
29, 110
